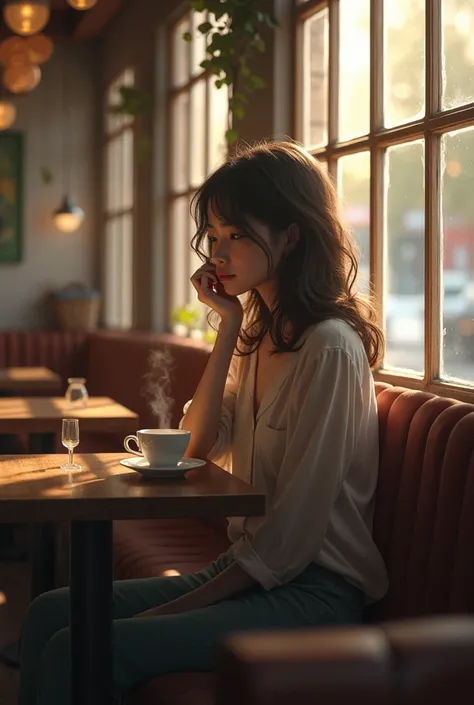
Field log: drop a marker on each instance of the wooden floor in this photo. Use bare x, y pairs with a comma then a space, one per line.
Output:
14, 598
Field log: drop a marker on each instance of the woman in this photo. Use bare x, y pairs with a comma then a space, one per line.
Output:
288, 400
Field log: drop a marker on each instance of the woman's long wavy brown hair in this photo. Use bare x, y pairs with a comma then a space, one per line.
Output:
280, 184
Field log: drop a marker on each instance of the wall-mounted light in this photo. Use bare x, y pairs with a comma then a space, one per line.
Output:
26, 17
68, 217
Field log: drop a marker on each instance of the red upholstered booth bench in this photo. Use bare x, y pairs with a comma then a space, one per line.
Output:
424, 524
115, 364
424, 521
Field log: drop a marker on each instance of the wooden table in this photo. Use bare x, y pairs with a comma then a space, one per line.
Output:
40, 417
29, 379
44, 414
34, 489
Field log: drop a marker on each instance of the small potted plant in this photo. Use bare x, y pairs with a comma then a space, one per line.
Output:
185, 320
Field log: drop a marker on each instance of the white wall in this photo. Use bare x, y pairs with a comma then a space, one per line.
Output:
52, 259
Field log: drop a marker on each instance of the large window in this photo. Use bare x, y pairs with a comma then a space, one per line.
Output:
385, 98
198, 121
118, 214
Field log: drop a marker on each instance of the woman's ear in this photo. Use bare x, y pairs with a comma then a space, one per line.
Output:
292, 237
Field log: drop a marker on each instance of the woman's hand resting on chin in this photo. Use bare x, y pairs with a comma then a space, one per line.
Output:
211, 293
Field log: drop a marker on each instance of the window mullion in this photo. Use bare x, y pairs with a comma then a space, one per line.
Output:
433, 263
333, 67
377, 230
189, 137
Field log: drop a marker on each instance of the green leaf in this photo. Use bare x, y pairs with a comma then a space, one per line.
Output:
238, 99
213, 65
198, 5
204, 27
231, 136
219, 83
46, 175
256, 82
221, 42
238, 111
270, 20
188, 37
144, 148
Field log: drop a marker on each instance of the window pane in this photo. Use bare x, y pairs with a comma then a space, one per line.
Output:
114, 171
194, 263
127, 169
198, 45
126, 284
180, 53
179, 246
315, 79
404, 60
458, 52
119, 272
218, 100
458, 255
197, 152
354, 68
113, 97
180, 160
405, 298
112, 268
353, 178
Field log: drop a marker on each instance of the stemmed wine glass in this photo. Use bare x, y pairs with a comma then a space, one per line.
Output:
70, 439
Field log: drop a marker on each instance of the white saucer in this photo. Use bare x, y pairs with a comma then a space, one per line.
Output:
142, 466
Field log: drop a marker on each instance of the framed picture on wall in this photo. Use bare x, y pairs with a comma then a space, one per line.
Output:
11, 196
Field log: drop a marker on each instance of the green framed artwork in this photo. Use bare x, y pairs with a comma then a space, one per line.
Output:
11, 196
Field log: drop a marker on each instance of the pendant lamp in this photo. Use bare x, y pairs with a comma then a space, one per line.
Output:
7, 114
26, 17
68, 217
82, 4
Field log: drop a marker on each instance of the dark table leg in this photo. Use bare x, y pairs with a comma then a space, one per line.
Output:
91, 576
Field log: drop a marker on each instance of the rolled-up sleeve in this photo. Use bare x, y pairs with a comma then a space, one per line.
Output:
323, 425
220, 451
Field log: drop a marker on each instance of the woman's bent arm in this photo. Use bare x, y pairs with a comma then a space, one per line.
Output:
203, 415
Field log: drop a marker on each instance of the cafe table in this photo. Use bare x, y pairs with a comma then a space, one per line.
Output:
44, 414
33, 488
16, 380
40, 418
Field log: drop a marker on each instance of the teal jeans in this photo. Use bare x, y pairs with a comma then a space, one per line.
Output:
148, 647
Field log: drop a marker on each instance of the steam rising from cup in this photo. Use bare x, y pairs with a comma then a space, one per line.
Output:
157, 390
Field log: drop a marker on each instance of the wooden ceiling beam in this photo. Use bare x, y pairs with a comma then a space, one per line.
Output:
93, 21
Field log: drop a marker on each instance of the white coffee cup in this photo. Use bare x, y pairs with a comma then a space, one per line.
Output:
159, 446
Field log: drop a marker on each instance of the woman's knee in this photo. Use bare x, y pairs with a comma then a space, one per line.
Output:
55, 675
48, 613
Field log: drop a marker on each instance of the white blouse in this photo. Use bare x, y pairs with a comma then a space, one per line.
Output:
313, 450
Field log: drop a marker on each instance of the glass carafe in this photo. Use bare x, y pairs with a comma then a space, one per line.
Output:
76, 394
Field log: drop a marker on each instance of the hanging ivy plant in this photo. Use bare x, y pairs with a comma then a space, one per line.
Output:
233, 38
133, 102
